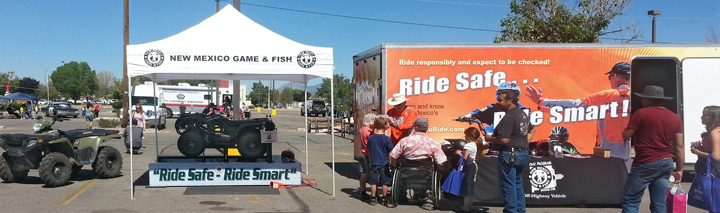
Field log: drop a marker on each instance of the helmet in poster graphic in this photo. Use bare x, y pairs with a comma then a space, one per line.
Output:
560, 133
508, 86
288, 156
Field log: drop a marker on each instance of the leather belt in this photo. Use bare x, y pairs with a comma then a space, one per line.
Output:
516, 149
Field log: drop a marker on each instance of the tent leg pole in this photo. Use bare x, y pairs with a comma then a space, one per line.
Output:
304, 108
157, 125
130, 134
332, 128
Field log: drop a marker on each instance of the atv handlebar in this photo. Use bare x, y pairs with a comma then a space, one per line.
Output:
472, 120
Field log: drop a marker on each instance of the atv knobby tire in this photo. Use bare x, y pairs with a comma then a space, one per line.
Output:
55, 169
7, 174
191, 143
250, 146
108, 162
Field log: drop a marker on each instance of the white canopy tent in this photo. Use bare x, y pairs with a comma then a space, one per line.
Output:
249, 52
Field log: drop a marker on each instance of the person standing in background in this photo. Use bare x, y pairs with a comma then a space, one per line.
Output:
657, 134
139, 115
363, 154
182, 108
710, 143
512, 134
401, 118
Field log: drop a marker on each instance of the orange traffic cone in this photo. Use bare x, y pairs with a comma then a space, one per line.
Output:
276, 185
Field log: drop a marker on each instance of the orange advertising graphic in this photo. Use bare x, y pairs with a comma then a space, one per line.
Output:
445, 83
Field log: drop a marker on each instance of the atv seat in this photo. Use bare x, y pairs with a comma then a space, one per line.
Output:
233, 123
80, 133
238, 122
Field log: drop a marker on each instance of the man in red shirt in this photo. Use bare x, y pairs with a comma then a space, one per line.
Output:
657, 134
402, 118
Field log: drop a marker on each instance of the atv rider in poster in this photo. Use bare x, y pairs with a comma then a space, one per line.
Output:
487, 114
609, 131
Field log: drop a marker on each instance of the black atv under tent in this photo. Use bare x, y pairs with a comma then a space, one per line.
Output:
249, 52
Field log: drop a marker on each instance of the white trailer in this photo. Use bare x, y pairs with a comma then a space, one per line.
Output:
444, 81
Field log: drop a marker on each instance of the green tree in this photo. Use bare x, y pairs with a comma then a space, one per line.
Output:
286, 95
8, 76
298, 95
74, 79
259, 94
27, 85
342, 91
106, 83
551, 21
137, 80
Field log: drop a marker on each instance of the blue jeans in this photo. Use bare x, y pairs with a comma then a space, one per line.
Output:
655, 176
511, 181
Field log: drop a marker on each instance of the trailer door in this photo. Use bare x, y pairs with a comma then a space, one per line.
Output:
660, 71
700, 88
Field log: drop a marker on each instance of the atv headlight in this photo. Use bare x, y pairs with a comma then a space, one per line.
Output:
32, 143
37, 126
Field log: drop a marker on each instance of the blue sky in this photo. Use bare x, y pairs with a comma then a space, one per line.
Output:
37, 35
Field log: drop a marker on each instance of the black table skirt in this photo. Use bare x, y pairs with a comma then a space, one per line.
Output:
591, 181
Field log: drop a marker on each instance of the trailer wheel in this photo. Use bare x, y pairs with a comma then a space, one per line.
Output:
168, 112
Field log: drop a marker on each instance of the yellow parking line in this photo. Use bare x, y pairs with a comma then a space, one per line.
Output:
81, 189
253, 198
77, 193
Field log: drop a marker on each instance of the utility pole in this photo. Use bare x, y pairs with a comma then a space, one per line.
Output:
47, 84
268, 104
126, 41
653, 13
236, 99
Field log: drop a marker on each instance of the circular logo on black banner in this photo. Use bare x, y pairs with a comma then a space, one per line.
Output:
306, 59
540, 177
154, 57
181, 96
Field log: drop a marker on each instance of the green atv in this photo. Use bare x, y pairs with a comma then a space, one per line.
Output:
58, 154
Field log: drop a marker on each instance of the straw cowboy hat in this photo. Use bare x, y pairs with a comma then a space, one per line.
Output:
654, 92
397, 99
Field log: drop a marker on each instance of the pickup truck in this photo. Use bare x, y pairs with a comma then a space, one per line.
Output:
316, 108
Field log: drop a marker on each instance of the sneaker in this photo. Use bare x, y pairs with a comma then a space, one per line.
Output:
364, 195
373, 201
383, 200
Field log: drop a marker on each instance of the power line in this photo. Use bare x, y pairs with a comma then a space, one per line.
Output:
369, 19
402, 22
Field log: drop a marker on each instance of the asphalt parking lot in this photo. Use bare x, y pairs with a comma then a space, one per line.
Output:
88, 193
